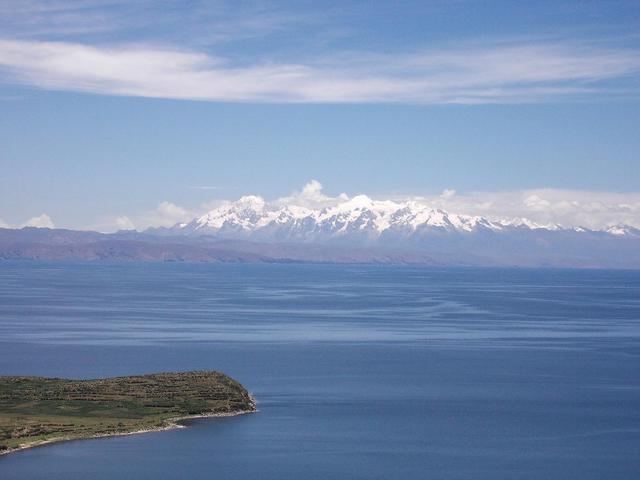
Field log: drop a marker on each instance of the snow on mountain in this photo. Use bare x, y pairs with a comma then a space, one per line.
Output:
360, 217
623, 231
526, 223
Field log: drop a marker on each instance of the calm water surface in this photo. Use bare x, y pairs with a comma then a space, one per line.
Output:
360, 371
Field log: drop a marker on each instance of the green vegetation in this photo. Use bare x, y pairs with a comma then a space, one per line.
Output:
36, 410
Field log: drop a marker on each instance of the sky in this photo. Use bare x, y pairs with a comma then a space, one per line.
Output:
129, 114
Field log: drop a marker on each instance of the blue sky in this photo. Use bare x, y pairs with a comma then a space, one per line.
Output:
110, 108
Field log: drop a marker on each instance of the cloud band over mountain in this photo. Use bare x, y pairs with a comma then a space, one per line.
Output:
566, 208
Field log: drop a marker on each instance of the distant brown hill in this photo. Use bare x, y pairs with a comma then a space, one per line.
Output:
517, 247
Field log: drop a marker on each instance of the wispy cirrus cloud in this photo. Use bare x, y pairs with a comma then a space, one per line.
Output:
199, 22
498, 73
37, 18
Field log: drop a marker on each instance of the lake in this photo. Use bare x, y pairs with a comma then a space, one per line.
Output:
359, 371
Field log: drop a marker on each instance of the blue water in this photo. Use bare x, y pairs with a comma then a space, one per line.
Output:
360, 371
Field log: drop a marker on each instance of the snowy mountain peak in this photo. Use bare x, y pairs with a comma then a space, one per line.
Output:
623, 230
526, 223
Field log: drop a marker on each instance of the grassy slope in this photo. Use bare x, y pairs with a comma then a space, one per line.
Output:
36, 409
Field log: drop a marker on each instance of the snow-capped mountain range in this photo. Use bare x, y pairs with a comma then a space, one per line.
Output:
359, 218
341, 230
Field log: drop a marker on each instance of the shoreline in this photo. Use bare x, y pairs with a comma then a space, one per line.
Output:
167, 424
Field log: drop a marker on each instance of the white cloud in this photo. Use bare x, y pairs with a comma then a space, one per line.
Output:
41, 221
535, 203
448, 192
124, 223
498, 73
166, 214
568, 208
311, 196
212, 204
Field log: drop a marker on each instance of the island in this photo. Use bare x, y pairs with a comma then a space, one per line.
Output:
38, 410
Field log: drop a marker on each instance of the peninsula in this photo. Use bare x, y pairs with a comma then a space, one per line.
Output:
38, 410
